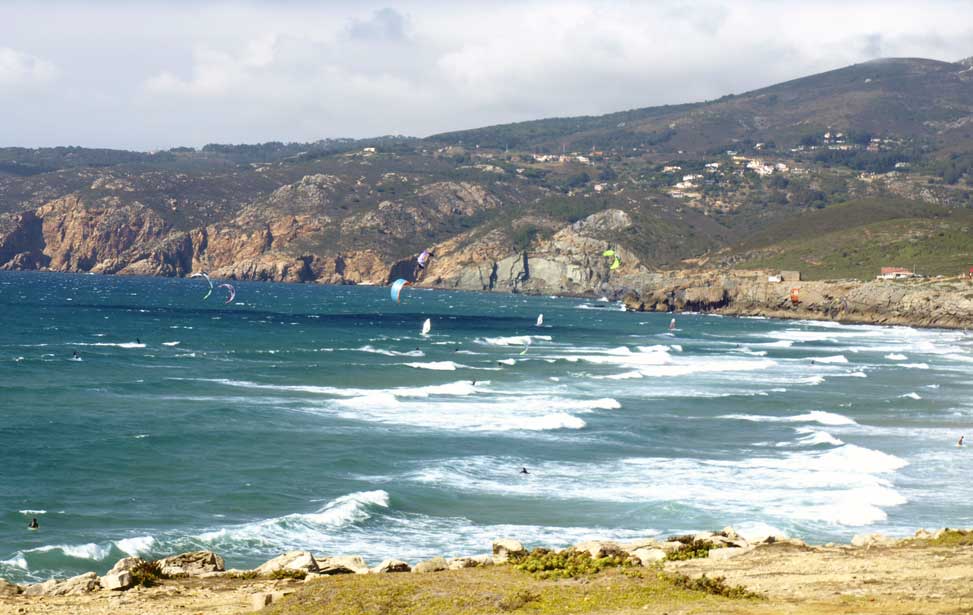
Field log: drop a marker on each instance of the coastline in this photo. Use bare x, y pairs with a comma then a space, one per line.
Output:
706, 572
943, 303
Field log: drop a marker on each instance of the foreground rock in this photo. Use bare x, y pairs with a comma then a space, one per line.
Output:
193, 564
392, 565
81, 584
342, 564
505, 548
9, 589
301, 561
436, 564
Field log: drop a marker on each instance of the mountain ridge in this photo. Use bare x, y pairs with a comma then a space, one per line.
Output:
527, 206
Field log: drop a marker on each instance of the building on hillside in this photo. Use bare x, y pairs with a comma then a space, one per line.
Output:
671, 169
775, 278
895, 273
790, 276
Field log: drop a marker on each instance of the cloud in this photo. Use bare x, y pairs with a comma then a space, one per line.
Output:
383, 24
19, 69
151, 74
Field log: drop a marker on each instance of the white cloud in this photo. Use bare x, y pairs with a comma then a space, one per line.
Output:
191, 73
18, 68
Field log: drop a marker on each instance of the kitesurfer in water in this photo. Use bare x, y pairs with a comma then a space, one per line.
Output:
138, 341
524, 471
75, 355
960, 442
474, 382
33, 524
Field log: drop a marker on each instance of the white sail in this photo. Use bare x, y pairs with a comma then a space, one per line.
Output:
540, 320
426, 326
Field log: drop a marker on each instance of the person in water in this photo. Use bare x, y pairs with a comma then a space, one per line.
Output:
138, 341
960, 443
75, 355
524, 471
474, 382
33, 524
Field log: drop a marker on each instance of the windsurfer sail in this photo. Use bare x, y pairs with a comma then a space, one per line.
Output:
540, 320
426, 326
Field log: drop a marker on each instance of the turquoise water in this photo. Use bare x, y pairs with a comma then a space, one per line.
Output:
318, 417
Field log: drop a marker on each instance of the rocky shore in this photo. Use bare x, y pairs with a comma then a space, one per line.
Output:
940, 302
200, 582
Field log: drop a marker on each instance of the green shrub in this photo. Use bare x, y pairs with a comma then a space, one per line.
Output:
147, 574
567, 564
694, 549
716, 586
288, 573
243, 574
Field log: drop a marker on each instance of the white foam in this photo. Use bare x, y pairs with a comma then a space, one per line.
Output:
139, 545
514, 340
835, 359
815, 437
391, 353
28, 511
442, 366
302, 530
110, 344
845, 485
502, 414
814, 416
895, 356
17, 561
910, 396
170, 343
915, 365
90, 551
508, 361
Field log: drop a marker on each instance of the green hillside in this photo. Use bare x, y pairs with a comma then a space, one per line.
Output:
856, 239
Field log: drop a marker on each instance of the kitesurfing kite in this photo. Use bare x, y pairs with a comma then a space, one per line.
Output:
611, 254
202, 274
423, 258
397, 287
232, 292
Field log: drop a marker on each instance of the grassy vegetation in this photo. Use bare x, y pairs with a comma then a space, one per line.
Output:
694, 549
567, 564
503, 589
952, 538
856, 239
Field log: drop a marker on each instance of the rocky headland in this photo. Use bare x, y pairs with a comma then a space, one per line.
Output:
722, 571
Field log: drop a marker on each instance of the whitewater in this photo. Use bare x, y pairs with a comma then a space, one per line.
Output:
320, 418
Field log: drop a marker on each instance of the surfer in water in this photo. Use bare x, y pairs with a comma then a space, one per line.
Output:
474, 382
33, 525
75, 356
960, 442
138, 341
524, 471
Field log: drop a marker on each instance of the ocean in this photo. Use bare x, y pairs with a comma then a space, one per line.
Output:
315, 417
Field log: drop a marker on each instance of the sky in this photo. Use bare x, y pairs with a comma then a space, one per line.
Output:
152, 75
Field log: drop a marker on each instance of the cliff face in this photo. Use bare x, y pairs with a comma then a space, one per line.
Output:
295, 235
927, 303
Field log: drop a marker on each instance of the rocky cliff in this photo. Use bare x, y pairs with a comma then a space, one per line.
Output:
920, 302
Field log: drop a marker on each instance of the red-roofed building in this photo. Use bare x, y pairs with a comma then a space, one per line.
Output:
895, 273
